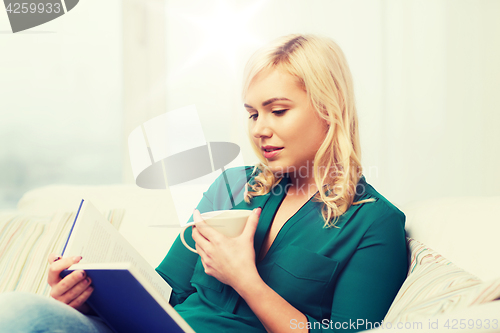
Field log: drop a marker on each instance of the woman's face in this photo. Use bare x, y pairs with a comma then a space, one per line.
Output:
283, 124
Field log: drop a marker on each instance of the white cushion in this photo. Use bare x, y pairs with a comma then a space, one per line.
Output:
436, 286
478, 318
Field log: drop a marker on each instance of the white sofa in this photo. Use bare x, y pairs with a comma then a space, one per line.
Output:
453, 241
456, 265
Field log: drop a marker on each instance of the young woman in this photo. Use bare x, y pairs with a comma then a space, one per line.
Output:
327, 251
323, 249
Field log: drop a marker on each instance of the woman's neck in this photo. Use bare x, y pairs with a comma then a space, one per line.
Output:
301, 186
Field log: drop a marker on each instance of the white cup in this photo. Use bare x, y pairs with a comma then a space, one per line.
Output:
228, 222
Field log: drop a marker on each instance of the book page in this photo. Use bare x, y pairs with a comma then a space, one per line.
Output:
97, 241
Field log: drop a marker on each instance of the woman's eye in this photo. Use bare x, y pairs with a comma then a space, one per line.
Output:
253, 116
279, 111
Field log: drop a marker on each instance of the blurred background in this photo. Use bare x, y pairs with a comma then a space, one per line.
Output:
426, 76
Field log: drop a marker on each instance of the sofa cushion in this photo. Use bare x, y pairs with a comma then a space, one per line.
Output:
150, 223
25, 243
436, 286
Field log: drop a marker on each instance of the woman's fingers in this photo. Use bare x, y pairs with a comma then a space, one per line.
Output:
58, 266
53, 258
84, 308
197, 216
80, 300
252, 222
205, 260
70, 287
202, 226
200, 239
74, 289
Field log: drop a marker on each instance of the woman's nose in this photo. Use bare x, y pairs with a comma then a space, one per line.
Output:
261, 129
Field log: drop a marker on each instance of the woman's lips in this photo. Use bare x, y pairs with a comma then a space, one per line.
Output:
271, 154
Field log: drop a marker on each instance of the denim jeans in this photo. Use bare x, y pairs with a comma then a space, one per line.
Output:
26, 312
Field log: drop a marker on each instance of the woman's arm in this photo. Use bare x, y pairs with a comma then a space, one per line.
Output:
232, 262
177, 269
274, 312
371, 279
178, 265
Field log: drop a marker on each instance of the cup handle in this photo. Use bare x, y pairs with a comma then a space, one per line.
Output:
184, 241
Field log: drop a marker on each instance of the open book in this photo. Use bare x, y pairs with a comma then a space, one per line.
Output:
129, 295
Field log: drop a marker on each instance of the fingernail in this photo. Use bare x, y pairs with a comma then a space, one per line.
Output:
257, 211
83, 273
57, 258
77, 258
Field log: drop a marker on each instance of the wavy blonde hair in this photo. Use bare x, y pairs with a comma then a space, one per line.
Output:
321, 69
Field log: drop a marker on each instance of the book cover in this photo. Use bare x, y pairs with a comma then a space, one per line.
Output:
129, 295
127, 302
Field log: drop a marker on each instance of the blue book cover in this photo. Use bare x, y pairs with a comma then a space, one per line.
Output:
127, 302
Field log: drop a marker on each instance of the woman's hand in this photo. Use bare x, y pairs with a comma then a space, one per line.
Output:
74, 289
232, 261
229, 260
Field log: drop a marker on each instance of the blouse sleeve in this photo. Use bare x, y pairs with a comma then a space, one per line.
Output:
370, 281
178, 265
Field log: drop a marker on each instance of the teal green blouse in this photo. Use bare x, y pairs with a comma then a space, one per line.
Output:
342, 279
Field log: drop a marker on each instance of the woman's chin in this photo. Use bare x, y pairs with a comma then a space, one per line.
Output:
278, 169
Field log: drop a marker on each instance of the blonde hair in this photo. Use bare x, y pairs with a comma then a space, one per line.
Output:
321, 68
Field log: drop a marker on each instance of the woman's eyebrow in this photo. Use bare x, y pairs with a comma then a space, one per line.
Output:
272, 100
269, 101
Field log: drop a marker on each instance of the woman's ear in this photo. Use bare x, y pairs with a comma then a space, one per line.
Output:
328, 123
